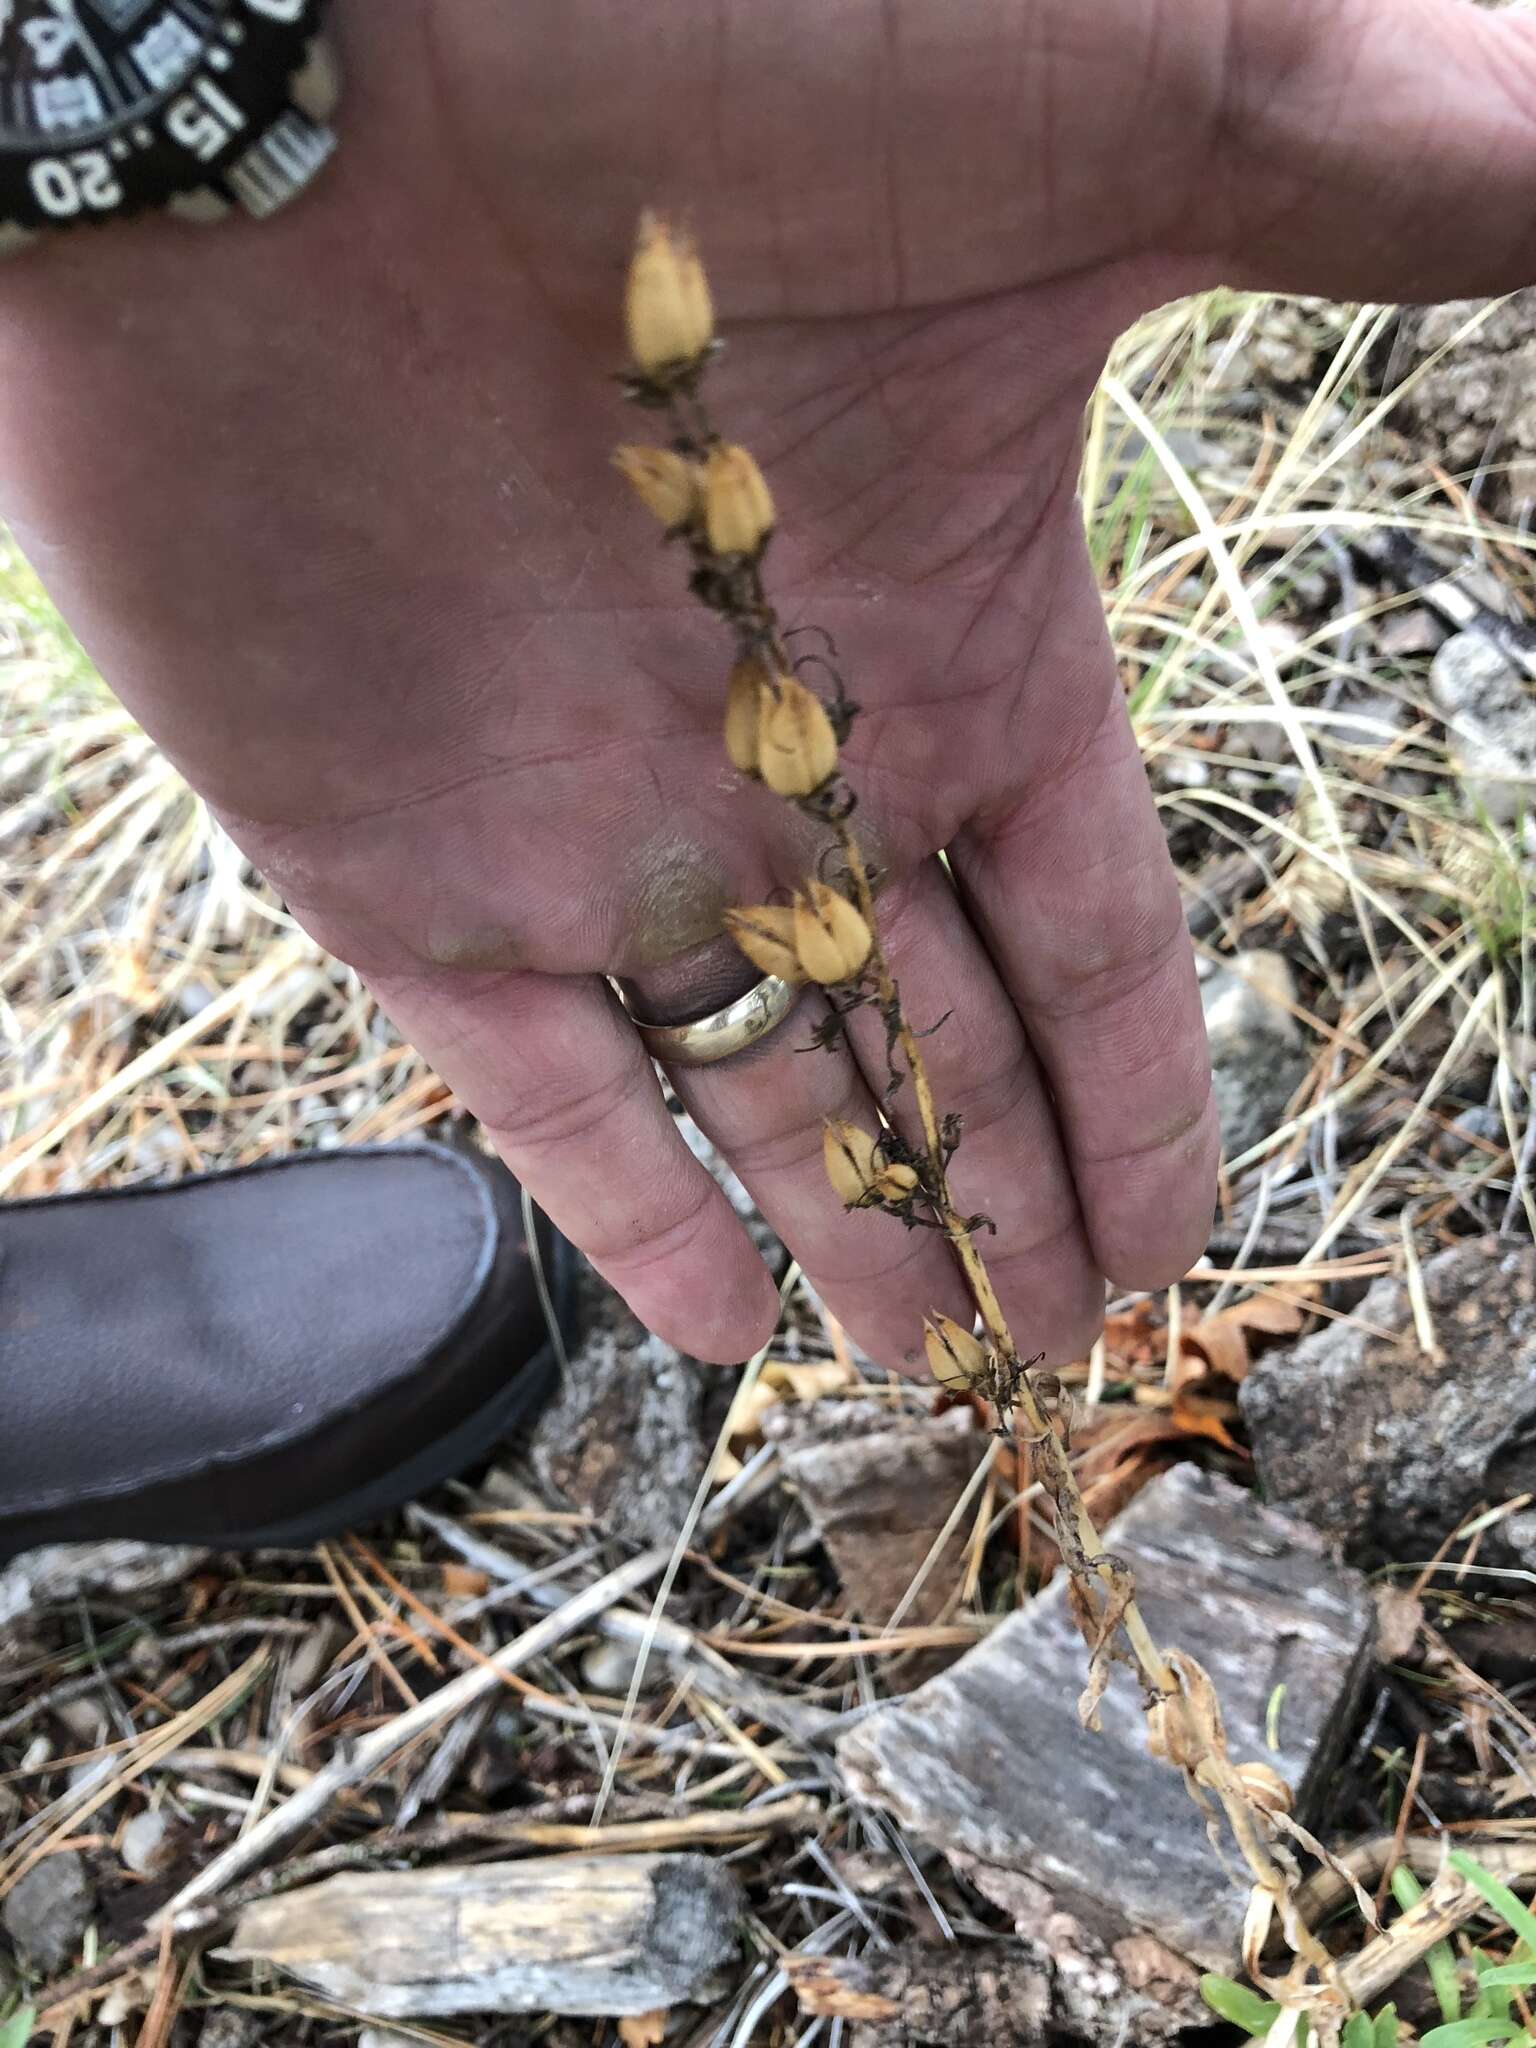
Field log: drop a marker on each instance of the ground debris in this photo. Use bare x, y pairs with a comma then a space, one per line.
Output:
579, 1934
63, 1571
950, 1997
988, 1759
1388, 1448
624, 1437
879, 1485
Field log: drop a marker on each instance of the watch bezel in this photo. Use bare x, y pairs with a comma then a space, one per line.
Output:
177, 152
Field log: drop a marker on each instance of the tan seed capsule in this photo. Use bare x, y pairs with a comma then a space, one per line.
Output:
796, 746
895, 1181
666, 303
666, 483
831, 939
956, 1358
746, 697
1265, 1787
738, 510
851, 1160
766, 934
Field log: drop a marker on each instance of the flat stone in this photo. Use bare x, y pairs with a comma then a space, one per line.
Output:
1387, 1450
989, 1763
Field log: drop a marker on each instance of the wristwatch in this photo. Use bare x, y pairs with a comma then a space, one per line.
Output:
112, 107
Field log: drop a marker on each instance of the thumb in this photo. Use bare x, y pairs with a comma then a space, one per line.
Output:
1379, 148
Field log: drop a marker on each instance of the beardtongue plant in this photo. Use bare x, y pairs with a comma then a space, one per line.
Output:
715, 505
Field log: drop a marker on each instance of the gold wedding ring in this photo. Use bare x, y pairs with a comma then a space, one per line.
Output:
723, 1033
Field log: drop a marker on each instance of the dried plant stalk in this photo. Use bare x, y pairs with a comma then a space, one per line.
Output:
712, 499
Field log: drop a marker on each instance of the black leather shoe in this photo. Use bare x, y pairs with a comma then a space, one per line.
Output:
267, 1355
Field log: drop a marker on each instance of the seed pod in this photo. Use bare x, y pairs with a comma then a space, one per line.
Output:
796, 746
766, 934
738, 510
852, 1162
666, 483
957, 1360
1265, 1787
895, 1181
666, 302
747, 696
831, 939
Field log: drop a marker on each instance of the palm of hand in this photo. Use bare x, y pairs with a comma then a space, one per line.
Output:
477, 742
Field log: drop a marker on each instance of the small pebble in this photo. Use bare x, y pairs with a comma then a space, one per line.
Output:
144, 1843
609, 1667
48, 1909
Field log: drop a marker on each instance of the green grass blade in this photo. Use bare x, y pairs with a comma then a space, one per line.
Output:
1503, 1901
17, 2030
1239, 2005
1471, 2034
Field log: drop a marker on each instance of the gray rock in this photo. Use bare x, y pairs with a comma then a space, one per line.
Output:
1257, 1057
62, 1571
1475, 408
988, 1761
624, 1438
609, 1668
1490, 715
48, 1910
1387, 1450
228, 2026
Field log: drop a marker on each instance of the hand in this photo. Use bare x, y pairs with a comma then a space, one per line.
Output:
328, 498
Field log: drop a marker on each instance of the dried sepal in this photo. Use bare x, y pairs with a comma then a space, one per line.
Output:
796, 746
956, 1357
831, 939
747, 698
667, 310
765, 932
738, 507
668, 485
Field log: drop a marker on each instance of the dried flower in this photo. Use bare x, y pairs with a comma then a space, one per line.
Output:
748, 695
766, 934
956, 1358
738, 510
666, 302
831, 939
796, 746
666, 483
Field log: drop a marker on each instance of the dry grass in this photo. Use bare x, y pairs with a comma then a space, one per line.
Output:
159, 1013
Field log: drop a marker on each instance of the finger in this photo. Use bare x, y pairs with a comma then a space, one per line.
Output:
766, 1110
555, 1072
1077, 900
1011, 1163
1378, 149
